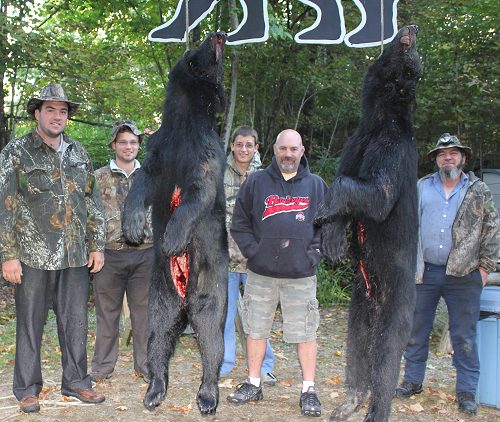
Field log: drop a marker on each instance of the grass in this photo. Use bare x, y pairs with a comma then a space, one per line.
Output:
334, 283
50, 350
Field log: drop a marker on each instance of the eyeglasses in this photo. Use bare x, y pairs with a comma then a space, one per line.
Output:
241, 146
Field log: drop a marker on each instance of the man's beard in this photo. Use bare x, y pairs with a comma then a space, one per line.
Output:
450, 173
287, 167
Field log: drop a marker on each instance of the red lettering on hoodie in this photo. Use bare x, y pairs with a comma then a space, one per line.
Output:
276, 204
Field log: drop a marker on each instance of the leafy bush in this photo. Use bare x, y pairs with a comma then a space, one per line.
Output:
334, 283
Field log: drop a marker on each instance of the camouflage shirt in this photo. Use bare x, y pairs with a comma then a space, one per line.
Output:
114, 186
50, 211
474, 232
233, 180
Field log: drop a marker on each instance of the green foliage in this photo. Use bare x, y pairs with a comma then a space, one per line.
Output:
99, 52
334, 283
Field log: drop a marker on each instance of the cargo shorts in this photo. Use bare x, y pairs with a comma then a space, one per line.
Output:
299, 307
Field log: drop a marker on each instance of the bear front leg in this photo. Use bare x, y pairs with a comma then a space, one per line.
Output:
134, 212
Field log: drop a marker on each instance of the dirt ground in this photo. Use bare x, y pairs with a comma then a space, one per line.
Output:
124, 391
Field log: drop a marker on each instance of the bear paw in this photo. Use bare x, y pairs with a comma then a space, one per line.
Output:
175, 240
133, 226
155, 395
208, 399
333, 240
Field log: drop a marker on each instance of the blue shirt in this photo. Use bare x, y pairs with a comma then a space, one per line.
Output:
437, 216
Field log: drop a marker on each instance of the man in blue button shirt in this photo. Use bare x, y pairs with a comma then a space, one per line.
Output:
458, 248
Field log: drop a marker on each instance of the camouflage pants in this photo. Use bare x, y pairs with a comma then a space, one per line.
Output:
299, 307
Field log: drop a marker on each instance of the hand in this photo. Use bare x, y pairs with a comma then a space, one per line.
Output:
96, 261
484, 276
12, 271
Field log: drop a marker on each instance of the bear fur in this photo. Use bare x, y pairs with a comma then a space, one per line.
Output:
375, 194
186, 156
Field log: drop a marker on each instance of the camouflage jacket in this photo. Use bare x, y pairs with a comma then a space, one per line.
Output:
474, 232
114, 186
233, 180
50, 210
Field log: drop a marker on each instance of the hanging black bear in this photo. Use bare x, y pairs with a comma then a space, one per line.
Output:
375, 192
182, 178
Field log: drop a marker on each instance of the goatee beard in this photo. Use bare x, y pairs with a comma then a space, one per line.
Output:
449, 174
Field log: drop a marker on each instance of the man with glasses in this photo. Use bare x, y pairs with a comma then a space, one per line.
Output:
128, 267
457, 250
243, 160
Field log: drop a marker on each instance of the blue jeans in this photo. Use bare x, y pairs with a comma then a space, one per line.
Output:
233, 293
461, 295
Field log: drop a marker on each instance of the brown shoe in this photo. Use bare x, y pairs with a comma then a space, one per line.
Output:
29, 404
87, 396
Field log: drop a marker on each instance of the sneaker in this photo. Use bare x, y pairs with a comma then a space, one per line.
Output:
29, 404
309, 403
245, 392
466, 402
269, 379
408, 389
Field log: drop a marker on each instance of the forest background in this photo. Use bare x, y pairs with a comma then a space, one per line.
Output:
98, 50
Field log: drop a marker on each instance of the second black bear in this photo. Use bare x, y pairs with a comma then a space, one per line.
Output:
375, 191
182, 178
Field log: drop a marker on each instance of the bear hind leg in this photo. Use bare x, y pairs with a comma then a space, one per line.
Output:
166, 327
208, 322
358, 349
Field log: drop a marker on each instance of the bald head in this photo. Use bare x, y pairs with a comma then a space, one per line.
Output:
288, 150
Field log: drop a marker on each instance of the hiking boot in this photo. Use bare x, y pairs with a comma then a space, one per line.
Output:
245, 392
87, 396
269, 379
29, 404
99, 376
466, 402
309, 403
408, 389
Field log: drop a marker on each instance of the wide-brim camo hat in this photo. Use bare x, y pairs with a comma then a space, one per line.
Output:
449, 141
129, 124
52, 92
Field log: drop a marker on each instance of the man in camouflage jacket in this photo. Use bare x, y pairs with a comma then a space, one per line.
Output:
243, 160
128, 267
458, 248
51, 230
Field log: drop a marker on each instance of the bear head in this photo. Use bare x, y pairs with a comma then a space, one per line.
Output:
391, 81
200, 72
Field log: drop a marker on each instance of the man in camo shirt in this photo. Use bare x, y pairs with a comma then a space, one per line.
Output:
51, 233
128, 267
243, 160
